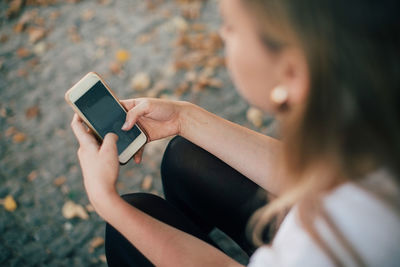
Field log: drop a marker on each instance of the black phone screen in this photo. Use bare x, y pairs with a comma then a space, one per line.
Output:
106, 115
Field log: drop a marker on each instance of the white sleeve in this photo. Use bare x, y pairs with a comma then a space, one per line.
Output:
371, 228
292, 246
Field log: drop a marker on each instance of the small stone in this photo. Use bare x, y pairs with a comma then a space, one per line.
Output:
68, 226
255, 116
140, 81
180, 24
147, 182
40, 48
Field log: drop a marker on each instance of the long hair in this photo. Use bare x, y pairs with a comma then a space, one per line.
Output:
351, 118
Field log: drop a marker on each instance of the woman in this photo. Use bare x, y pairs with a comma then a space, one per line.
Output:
330, 72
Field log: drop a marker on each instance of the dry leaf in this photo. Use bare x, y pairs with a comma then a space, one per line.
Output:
71, 210
87, 15
147, 182
32, 112
32, 176
115, 67
3, 38
103, 258
140, 81
14, 8
89, 208
10, 131
95, 243
19, 138
59, 181
255, 116
36, 34
22, 72
74, 35
9, 203
22, 52
122, 55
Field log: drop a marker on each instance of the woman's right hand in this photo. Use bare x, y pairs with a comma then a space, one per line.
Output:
160, 118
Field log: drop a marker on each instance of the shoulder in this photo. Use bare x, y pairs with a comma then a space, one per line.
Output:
368, 224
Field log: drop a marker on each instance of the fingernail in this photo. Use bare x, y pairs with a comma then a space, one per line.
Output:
125, 126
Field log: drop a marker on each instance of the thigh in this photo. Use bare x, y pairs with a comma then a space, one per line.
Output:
120, 252
209, 191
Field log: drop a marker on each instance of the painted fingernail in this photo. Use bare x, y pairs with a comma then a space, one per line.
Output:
125, 126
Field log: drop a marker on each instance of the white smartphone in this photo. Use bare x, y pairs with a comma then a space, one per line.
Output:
100, 109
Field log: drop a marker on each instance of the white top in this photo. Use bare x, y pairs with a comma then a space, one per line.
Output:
367, 223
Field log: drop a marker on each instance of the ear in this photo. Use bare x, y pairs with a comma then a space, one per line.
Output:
294, 75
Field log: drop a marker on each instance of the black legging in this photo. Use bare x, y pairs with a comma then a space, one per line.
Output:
202, 192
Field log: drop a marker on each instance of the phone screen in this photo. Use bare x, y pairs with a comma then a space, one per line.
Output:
106, 115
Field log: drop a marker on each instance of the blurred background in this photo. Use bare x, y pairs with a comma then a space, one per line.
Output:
154, 48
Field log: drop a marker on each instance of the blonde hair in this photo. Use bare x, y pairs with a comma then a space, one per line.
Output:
351, 117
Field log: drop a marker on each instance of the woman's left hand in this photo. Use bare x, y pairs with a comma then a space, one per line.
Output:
99, 163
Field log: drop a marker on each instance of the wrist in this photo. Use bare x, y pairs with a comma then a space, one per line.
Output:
102, 199
186, 112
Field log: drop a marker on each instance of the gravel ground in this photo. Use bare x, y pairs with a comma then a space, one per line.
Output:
44, 50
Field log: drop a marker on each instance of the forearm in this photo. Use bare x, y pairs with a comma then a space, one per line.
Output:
255, 155
162, 244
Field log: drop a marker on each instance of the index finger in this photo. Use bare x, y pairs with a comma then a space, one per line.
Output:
128, 103
84, 138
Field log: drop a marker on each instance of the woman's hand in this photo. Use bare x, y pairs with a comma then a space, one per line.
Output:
159, 118
99, 164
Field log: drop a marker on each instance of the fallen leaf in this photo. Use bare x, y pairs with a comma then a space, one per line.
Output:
32, 176
87, 15
89, 208
140, 81
71, 210
22, 72
255, 116
3, 38
54, 15
103, 258
32, 112
122, 55
95, 243
74, 34
36, 34
19, 138
59, 181
9, 203
115, 67
22, 52
10, 131
147, 182
14, 8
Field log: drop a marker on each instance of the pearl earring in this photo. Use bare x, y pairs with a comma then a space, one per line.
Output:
279, 95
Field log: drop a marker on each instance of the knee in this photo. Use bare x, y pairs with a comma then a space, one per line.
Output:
173, 159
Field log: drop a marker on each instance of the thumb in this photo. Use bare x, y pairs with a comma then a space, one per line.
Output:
109, 145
